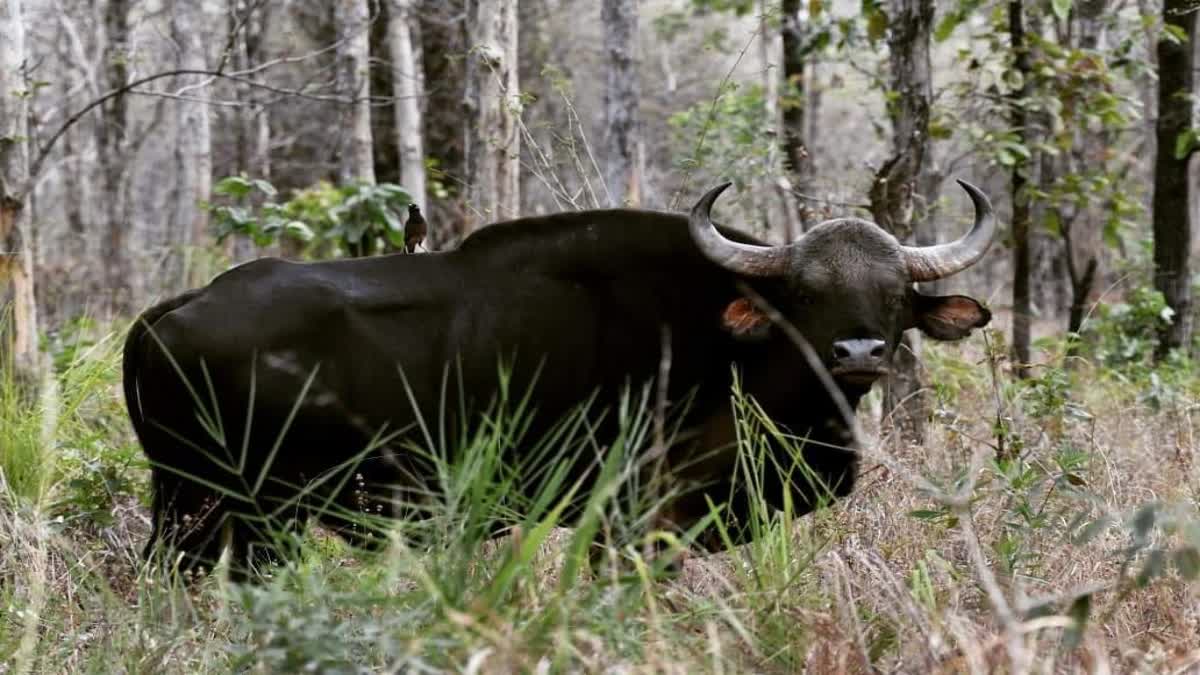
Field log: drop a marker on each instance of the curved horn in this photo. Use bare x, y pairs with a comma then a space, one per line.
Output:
929, 263
755, 261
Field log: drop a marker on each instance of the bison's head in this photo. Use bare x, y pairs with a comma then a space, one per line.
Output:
847, 285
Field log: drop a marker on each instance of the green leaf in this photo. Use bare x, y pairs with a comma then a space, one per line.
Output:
1079, 612
940, 131
265, 187
819, 42
1187, 141
396, 238
1091, 530
926, 514
877, 25
233, 186
1153, 568
298, 230
947, 25
1187, 561
392, 220
1143, 521
1112, 232
1052, 222
1014, 78
1061, 8
1175, 34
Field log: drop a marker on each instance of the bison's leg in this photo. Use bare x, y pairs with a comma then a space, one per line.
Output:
188, 519
257, 544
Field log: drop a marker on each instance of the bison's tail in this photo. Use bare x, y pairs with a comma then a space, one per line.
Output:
133, 350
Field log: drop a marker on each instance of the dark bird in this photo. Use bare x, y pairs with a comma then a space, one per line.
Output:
415, 229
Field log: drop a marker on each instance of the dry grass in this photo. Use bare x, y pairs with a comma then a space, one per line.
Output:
910, 574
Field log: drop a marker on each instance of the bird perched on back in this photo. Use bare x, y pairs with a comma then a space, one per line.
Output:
415, 229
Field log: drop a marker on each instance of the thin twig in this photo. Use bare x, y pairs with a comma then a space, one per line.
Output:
712, 115
236, 76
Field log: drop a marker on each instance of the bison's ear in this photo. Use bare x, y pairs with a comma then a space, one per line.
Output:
948, 317
745, 321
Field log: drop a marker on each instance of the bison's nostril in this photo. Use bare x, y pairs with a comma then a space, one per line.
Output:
861, 350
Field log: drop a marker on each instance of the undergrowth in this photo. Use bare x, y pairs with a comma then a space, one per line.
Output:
1046, 525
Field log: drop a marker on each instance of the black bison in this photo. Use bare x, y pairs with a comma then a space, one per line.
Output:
575, 302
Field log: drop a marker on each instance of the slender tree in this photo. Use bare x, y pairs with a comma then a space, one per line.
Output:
776, 184
193, 143
353, 19
1174, 189
792, 100
894, 190
408, 89
622, 175
18, 342
492, 100
111, 143
1022, 313
247, 23
1082, 243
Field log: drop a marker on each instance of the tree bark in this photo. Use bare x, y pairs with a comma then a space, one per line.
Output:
111, 139
356, 161
622, 175
1174, 196
408, 89
193, 146
19, 339
253, 116
1081, 229
1021, 214
893, 192
493, 145
792, 100
775, 184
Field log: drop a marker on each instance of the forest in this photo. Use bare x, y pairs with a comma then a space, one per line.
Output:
1027, 497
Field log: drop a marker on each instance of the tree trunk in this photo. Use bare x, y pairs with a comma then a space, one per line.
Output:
622, 175
110, 147
444, 36
493, 103
1173, 191
893, 192
253, 117
408, 89
792, 100
1081, 229
193, 147
1021, 214
775, 184
19, 339
67, 295
356, 160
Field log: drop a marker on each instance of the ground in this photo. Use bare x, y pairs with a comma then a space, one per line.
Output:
1050, 525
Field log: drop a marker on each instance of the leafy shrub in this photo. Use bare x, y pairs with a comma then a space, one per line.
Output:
69, 344
331, 220
726, 139
1126, 333
98, 475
